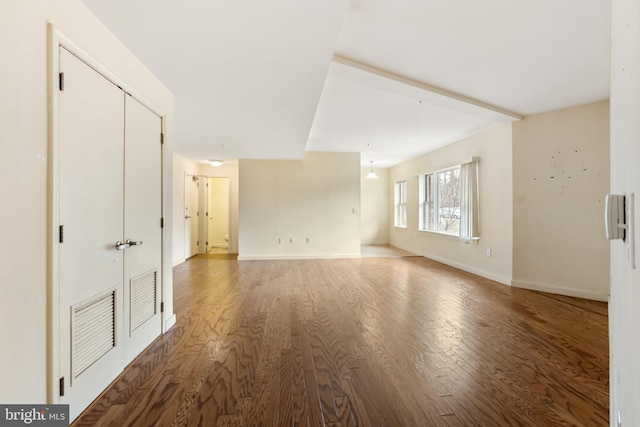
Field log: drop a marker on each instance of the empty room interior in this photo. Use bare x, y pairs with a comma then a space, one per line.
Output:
338, 213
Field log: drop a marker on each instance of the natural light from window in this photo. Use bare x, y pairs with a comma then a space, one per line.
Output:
400, 204
440, 204
448, 200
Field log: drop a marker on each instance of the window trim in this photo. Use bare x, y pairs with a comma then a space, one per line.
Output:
435, 205
470, 201
397, 203
447, 236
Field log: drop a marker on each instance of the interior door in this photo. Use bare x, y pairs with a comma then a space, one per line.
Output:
191, 229
203, 214
218, 209
142, 227
91, 222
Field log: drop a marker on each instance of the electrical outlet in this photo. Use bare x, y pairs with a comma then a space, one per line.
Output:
291, 240
280, 240
308, 240
488, 252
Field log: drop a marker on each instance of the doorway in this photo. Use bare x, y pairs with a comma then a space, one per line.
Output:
216, 229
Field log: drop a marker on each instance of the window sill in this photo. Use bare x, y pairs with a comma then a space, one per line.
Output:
403, 227
472, 241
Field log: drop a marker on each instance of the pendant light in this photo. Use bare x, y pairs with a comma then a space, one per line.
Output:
372, 174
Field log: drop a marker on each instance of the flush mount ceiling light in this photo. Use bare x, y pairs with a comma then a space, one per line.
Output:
372, 174
216, 163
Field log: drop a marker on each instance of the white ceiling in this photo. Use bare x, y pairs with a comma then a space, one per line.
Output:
389, 79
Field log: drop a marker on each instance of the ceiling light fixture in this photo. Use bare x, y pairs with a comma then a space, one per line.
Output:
372, 174
216, 163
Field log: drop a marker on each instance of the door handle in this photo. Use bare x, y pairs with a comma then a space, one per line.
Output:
133, 242
122, 246
187, 217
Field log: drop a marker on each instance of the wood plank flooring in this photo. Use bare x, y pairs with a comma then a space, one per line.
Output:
363, 342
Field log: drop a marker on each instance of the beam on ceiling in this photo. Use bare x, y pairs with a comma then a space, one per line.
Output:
424, 86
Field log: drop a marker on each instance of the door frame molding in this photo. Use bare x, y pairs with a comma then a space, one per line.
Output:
56, 39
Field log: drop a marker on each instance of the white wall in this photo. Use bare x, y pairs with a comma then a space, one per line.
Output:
23, 176
374, 211
624, 305
560, 178
493, 146
316, 197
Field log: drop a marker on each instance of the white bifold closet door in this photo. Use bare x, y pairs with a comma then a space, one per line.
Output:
109, 193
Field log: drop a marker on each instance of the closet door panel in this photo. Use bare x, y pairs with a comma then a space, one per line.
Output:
143, 211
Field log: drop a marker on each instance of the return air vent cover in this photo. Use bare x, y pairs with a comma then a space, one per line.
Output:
143, 291
93, 333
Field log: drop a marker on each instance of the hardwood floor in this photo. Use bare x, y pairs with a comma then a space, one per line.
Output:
366, 342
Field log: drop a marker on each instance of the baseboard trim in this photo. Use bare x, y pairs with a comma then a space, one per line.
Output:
569, 292
169, 322
380, 243
479, 272
294, 257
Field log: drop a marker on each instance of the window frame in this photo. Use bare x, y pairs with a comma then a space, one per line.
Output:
469, 204
429, 201
400, 204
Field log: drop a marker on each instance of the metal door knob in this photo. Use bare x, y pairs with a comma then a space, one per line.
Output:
122, 246
133, 242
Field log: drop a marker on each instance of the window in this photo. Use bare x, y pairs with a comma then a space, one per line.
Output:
440, 201
427, 200
449, 201
400, 204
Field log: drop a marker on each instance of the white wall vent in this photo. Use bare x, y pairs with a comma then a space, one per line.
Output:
143, 291
93, 331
